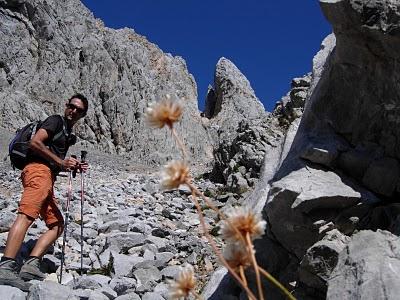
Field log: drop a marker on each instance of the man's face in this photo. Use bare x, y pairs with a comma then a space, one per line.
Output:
75, 110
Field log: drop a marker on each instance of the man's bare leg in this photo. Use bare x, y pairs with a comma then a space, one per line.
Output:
46, 239
17, 234
31, 268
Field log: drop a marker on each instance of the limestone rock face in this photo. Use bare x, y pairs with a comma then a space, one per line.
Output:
291, 106
235, 126
368, 268
330, 174
242, 131
318, 263
357, 97
340, 164
233, 100
299, 200
256, 153
53, 49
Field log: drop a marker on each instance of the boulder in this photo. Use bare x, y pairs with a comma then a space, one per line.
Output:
48, 290
296, 201
320, 260
11, 293
367, 268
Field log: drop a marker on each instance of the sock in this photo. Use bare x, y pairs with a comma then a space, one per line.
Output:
31, 258
5, 258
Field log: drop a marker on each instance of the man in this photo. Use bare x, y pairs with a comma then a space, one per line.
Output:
48, 147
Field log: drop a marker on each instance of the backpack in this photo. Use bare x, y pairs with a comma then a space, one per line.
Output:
18, 149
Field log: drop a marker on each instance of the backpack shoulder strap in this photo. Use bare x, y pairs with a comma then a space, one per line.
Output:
64, 131
35, 127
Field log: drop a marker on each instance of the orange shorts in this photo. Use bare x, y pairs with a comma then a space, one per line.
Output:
38, 196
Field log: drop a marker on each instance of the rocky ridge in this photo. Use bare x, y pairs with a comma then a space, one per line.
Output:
243, 132
53, 49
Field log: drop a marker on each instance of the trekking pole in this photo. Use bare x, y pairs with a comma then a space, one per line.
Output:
69, 196
83, 157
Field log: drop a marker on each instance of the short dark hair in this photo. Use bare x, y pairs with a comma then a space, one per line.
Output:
83, 99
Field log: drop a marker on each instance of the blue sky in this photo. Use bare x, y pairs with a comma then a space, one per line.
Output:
269, 41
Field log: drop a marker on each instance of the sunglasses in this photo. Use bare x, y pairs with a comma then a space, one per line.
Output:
78, 109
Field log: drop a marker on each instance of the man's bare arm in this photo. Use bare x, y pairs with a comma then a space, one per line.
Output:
37, 145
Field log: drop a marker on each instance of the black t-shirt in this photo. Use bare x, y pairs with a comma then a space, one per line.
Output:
60, 138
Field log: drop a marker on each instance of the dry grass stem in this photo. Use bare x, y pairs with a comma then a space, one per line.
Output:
276, 283
164, 112
181, 146
242, 275
255, 265
216, 250
239, 227
213, 207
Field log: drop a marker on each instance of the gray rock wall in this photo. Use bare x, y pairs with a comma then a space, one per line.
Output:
339, 172
52, 49
358, 98
244, 134
368, 268
232, 114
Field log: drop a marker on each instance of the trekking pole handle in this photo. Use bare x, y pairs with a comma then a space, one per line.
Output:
74, 171
83, 155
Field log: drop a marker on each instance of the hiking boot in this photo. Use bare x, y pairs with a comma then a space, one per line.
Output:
31, 270
9, 276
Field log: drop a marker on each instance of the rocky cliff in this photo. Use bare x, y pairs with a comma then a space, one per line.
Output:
331, 200
241, 130
53, 49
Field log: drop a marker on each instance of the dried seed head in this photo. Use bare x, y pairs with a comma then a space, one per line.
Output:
237, 256
245, 221
184, 284
164, 112
175, 174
